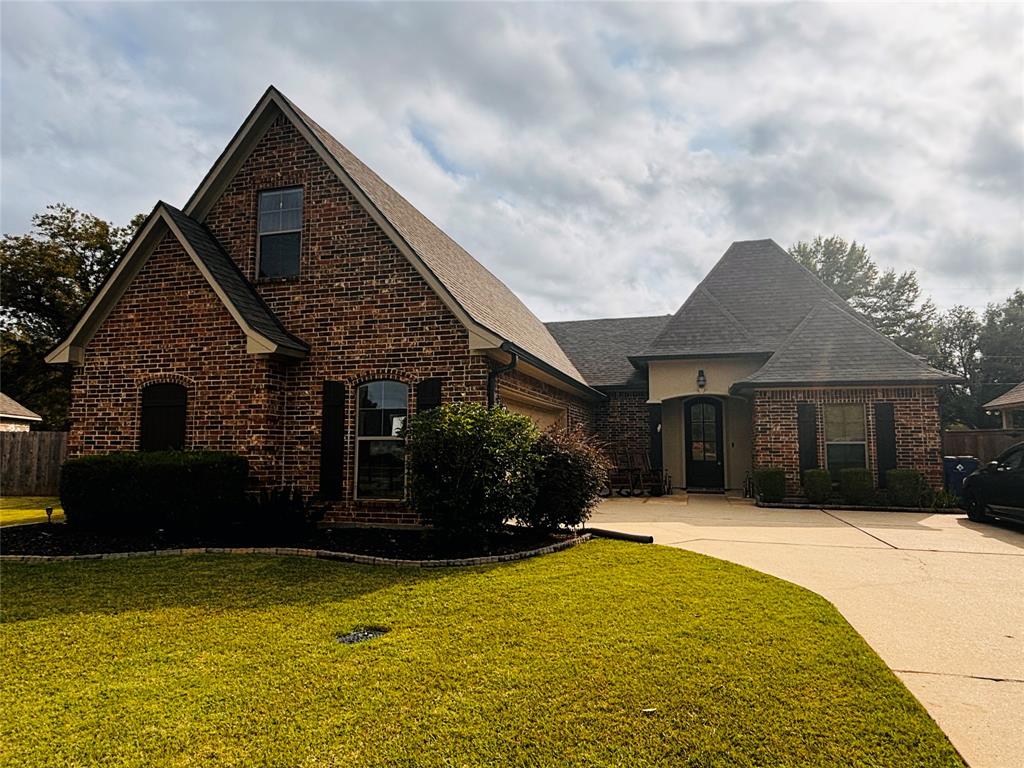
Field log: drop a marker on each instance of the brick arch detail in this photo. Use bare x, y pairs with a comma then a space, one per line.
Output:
191, 390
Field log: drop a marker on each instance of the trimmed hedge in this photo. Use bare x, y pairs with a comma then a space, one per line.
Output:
153, 490
856, 485
817, 485
770, 483
906, 487
471, 469
570, 473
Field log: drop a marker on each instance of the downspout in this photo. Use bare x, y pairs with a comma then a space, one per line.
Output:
492, 378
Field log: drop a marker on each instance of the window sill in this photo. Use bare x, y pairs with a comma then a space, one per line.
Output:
273, 280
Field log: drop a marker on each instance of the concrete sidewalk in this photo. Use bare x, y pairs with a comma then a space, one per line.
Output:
941, 599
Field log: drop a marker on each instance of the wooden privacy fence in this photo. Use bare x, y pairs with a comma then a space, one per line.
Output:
30, 462
986, 444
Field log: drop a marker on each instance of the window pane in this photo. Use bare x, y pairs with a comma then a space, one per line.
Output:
270, 201
841, 456
382, 408
290, 220
291, 199
280, 211
844, 423
279, 255
381, 469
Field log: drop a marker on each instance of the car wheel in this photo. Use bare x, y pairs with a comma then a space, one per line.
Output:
976, 509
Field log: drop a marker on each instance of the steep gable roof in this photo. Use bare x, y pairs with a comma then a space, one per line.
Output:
832, 346
600, 348
264, 332
494, 316
12, 409
749, 302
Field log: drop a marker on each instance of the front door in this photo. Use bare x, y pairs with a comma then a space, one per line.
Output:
705, 466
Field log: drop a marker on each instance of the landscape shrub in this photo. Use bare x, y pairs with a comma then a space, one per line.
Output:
856, 486
817, 485
153, 490
905, 486
571, 470
770, 483
471, 469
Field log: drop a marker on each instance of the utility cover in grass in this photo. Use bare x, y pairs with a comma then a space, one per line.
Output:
361, 635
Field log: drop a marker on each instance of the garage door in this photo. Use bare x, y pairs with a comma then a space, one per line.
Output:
544, 416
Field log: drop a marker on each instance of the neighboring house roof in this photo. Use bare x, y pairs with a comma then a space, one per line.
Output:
12, 409
264, 332
1013, 398
495, 316
832, 346
600, 349
749, 302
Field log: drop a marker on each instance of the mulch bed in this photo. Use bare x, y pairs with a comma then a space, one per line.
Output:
63, 539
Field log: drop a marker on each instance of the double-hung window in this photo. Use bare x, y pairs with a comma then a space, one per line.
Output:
280, 232
382, 407
845, 437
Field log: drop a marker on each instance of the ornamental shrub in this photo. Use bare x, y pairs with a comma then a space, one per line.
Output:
770, 483
817, 485
571, 470
856, 486
180, 490
471, 469
906, 487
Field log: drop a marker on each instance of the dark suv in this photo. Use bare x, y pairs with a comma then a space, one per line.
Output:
996, 489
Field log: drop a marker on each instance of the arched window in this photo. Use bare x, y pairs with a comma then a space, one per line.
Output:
380, 452
163, 417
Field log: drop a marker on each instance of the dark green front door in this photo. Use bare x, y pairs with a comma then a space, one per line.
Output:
705, 462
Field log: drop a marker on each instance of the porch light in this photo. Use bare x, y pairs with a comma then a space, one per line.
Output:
702, 380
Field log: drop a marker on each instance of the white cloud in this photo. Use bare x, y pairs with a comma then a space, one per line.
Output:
598, 158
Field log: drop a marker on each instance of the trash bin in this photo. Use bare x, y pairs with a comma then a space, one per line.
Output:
955, 469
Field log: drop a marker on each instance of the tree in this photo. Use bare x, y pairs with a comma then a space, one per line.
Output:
958, 351
48, 276
1001, 341
844, 267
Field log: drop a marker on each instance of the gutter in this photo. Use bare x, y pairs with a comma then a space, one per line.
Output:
494, 373
536, 362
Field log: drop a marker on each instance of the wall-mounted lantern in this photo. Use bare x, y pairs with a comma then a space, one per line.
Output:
702, 380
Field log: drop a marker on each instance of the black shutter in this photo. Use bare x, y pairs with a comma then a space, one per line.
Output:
428, 394
654, 425
163, 417
332, 439
885, 440
807, 436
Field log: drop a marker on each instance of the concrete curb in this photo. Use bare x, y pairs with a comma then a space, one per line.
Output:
852, 508
324, 554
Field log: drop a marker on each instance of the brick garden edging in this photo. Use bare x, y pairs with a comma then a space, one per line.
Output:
323, 554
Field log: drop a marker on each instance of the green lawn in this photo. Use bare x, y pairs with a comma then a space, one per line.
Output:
28, 509
232, 660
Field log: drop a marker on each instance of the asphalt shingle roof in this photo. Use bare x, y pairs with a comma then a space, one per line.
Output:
832, 346
600, 349
11, 408
229, 277
483, 296
1014, 397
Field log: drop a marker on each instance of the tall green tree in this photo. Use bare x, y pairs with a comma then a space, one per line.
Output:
958, 351
844, 267
47, 277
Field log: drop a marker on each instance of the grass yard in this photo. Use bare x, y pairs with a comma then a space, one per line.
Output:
232, 660
28, 509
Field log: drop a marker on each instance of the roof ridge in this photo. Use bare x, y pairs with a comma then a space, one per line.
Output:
607, 319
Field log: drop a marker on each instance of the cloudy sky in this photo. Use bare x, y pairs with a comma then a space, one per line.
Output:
598, 158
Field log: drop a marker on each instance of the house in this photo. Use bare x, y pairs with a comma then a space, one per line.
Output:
297, 310
15, 417
1010, 405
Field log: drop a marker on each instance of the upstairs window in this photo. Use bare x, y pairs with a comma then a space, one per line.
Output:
280, 232
845, 437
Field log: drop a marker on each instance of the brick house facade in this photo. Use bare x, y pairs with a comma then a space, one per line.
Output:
278, 368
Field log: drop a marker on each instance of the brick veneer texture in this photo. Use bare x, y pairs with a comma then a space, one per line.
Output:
622, 419
915, 410
361, 306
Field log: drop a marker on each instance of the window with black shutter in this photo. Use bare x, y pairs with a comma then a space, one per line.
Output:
428, 394
885, 440
807, 435
332, 439
162, 426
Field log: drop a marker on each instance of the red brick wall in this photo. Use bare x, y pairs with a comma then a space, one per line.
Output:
622, 420
171, 327
916, 412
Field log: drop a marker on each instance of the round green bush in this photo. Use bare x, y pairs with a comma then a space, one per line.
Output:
906, 487
471, 469
571, 470
856, 486
770, 483
817, 485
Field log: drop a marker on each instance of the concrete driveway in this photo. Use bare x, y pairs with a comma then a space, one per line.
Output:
941, 599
